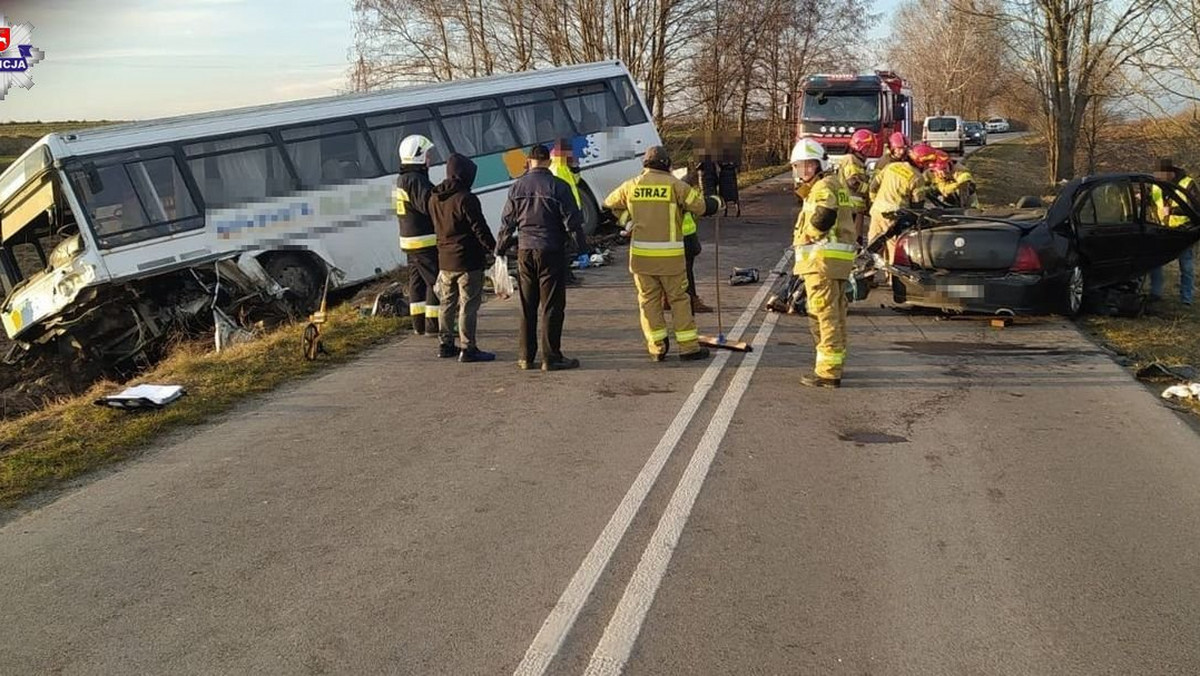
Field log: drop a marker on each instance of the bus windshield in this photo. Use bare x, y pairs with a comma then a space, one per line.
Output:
826, 106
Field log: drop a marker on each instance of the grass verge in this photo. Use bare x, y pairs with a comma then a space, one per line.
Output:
75, 436
749, 178
1004, 172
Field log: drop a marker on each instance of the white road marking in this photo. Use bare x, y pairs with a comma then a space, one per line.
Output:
562, 618
616, 645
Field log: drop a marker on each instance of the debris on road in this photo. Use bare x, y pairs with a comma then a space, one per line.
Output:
143, 397
1160, 371
741, 276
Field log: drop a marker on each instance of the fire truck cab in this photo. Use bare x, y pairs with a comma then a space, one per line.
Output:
829, 108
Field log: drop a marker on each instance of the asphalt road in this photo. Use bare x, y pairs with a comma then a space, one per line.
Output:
973, 501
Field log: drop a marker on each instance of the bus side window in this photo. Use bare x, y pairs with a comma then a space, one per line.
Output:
628, 99
593, 107
138, 200
232, 178
115, 208
388, 130
477, 127
538, 117
330, 153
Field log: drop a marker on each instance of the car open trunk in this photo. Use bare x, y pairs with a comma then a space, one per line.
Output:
975, 246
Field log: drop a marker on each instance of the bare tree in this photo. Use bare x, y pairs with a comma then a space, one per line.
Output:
952, 59
1065, 48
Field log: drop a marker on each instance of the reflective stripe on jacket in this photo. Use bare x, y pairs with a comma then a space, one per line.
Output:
655, 202
830, 254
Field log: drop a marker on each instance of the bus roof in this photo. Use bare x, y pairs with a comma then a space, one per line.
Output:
221, 122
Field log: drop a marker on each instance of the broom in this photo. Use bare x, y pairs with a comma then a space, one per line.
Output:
719, 341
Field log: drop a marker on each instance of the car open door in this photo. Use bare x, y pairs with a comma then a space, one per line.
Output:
1172, 224
1108, 230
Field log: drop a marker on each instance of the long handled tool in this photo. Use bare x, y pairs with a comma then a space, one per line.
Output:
719, 341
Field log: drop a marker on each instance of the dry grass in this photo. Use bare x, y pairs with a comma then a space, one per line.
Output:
1004, 172
75, 436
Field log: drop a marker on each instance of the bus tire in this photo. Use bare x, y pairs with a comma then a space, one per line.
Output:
301, 273
590, 208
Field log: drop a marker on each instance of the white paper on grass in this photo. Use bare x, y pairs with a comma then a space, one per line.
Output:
1187, 391
158, 394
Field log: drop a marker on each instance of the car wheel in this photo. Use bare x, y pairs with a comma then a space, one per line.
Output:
1073, 293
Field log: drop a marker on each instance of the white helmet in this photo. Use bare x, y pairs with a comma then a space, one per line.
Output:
808, 149
415, 149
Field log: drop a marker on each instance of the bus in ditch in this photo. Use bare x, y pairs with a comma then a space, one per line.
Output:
109, 237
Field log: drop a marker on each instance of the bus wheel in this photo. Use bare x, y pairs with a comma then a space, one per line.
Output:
591, 210
299, 275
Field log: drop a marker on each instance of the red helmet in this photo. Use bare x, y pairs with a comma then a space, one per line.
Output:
897, 140
862, 141
943, 161
923, 155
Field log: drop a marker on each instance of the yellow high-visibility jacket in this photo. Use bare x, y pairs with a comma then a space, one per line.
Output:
656, 202
830, 253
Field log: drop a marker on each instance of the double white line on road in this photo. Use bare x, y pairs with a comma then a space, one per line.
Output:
619, 637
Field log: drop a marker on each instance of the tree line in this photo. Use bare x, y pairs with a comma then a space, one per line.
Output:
720, 64
1071, 68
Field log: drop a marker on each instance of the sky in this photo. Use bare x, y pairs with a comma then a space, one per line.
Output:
141, 59
138, 59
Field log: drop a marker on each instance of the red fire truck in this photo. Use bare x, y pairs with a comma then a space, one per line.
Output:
831, 107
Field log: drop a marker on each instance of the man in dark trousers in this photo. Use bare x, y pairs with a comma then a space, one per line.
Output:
463, 241
417, 239
541, 213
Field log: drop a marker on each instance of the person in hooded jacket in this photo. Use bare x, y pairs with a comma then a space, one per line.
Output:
464, 241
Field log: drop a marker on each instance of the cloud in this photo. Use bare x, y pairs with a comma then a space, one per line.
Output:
308, 89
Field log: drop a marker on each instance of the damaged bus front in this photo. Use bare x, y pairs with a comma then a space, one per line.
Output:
108, 253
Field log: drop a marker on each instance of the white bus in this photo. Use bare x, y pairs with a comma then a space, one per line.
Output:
110, 236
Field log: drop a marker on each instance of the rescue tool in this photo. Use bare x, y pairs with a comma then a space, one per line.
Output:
720, 341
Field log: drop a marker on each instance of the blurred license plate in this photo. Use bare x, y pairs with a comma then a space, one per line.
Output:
960, 290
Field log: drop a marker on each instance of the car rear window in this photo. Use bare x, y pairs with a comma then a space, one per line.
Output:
942, 124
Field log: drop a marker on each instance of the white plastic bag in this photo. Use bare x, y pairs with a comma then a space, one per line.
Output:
501, 282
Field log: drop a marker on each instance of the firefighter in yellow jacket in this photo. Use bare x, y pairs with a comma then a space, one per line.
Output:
655, 203
824, 240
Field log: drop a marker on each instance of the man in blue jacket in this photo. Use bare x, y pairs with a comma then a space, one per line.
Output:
541, 213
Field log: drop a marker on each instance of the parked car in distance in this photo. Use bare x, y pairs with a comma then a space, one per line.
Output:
997, 125
945, 132
1100, 232
976, 133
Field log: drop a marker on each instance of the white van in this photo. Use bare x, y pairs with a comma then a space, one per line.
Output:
945, 132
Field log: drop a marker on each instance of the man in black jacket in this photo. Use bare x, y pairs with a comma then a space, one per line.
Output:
417, 239
463, 241
541, 213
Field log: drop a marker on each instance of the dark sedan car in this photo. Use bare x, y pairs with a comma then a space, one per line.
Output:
1100, 231
975, 133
